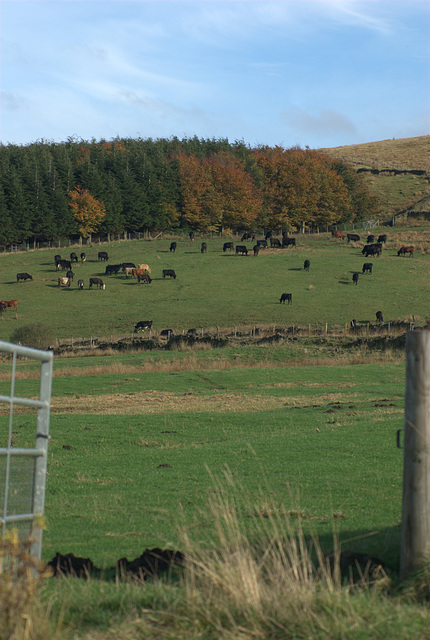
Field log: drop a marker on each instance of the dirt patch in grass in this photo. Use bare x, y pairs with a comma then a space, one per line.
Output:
146, 402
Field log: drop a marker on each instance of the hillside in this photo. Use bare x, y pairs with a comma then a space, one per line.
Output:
397, 171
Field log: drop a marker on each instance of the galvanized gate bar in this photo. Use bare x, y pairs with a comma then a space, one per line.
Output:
39, 452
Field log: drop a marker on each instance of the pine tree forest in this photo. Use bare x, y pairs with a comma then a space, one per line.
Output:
79, 188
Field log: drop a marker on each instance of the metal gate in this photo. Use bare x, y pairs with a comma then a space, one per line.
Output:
23, 470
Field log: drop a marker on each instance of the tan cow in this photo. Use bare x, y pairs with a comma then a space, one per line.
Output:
145, 267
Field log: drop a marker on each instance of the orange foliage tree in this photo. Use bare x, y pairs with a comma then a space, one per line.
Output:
87, 211
217, 192
300, 187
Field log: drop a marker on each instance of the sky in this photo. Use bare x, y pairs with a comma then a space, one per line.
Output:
284, 72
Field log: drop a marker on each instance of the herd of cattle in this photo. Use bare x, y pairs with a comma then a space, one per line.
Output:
142, 271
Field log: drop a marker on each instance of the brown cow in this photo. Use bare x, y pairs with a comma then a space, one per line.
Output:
404, 250
339, 235
10, 303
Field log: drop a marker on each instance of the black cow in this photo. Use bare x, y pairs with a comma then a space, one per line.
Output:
80, 284
262, 243
229, 246
83, 257
275, 242
382, 238
370, 239
256, 249
64, 264
268, 235
166, 333
73, 257
113, 269
367, 267
127, 265
241, 249
143, 277
169, 272
3, 307
23, 276
355, 277
306, 265
352, 237
70, 275
286, 242
97, 282
372, 250
286, 297
204, 247
57, 258
379, 316
248, 235
191, 236
102, 255
142, 325
172, 247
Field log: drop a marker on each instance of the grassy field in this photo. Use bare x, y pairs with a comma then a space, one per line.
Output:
220, 289
235, 456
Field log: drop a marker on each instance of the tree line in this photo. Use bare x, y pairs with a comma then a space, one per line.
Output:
50, 190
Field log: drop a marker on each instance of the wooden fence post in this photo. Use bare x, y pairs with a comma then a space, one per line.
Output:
415, 535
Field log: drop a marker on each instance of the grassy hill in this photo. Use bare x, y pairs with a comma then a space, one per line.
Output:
397, 191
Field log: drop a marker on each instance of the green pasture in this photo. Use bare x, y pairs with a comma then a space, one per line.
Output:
315, 442
216, 288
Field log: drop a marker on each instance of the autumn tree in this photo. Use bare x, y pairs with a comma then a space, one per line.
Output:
87, 211
217, 192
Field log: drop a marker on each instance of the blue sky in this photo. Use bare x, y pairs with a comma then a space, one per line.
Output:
285, 72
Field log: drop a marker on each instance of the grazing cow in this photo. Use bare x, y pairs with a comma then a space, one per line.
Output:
191, 236
367, 267
2, 308
192, 332
127, 265
23, 276
144, 277
169, 272
286, 242
83, 257
204, 247
352, 237
370, 239
80, 284
70, 275
379, 316
256, 249
142, 325
339, 235
286, 297
97, 282
57, 258
112, 269
404, 250
275, 242
102, 255
372, 250
268, 235
64, 281
229, 246
241, 249
129, 271
382, 238
145, 267
262, 243
64, 264
172, 247
166, 333
10, 303
248, 235
355, 277
73, 257
306, 265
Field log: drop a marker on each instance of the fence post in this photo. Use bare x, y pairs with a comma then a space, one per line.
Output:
415, 535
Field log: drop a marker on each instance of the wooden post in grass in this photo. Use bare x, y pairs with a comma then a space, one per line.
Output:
415, 540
